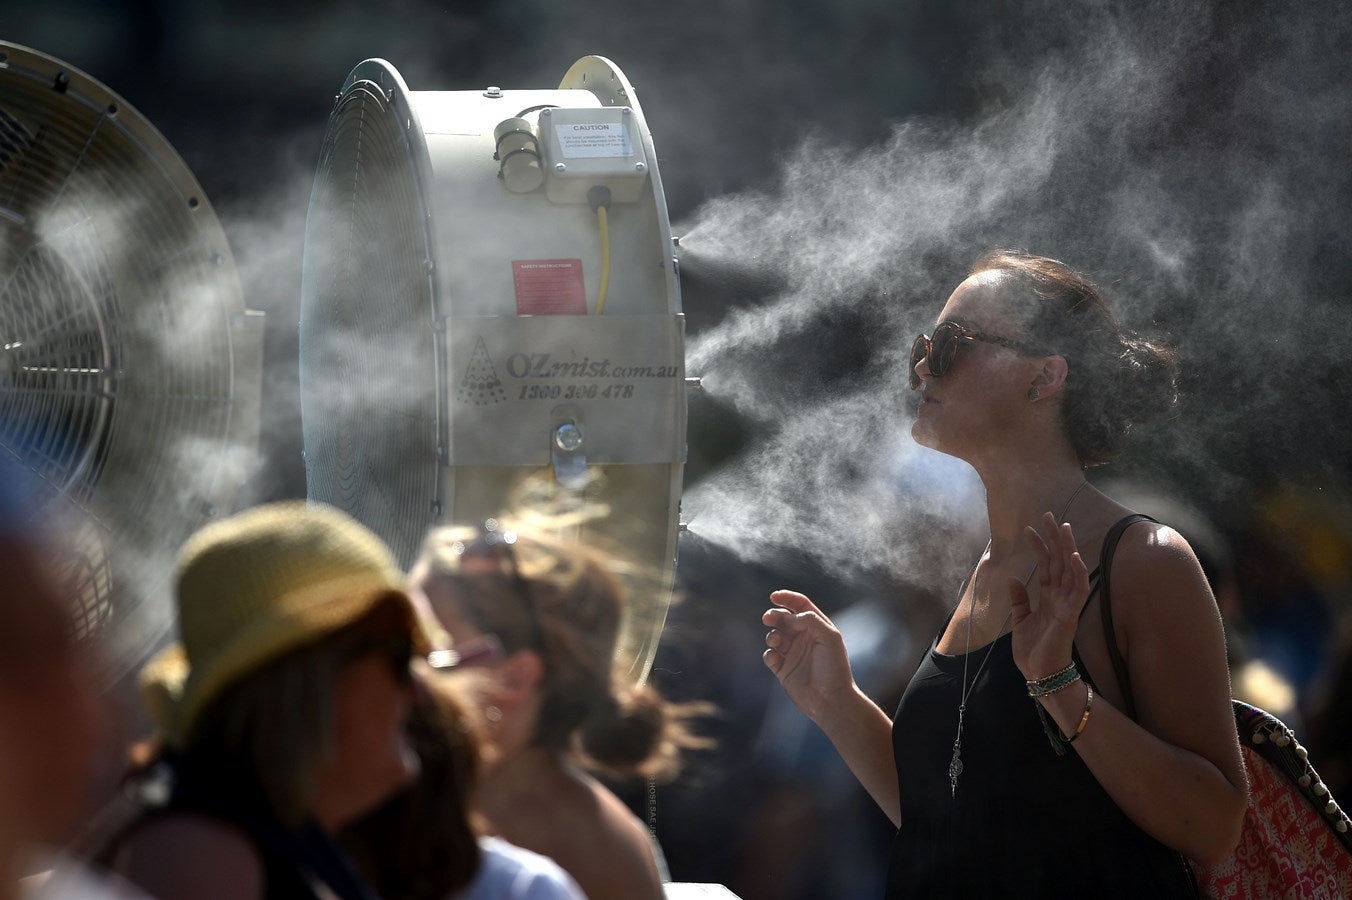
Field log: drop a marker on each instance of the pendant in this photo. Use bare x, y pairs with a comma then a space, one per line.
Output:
955, 765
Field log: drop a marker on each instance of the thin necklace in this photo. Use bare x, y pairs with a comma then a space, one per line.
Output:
955, 764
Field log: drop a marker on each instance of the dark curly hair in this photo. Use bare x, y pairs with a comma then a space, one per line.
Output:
1116, 378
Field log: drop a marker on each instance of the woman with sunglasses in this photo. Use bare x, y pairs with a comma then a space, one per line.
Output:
553, 706
1017, 763
281, 713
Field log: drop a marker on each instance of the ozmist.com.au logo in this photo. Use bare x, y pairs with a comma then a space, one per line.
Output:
537, 376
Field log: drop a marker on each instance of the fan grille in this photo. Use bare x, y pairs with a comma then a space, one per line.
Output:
368, 341
119, 393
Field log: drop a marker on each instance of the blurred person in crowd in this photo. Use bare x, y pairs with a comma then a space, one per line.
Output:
811, 802
50, 723
1018, 763
832, 842
423, 843
1297, 569
280, 714
554, 706
1291, 621
1329, 736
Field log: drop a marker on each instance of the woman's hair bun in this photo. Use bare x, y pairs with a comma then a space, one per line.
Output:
1116, 377
635, 732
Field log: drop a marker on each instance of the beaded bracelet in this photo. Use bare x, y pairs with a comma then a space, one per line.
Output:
1054, 682
1084, 718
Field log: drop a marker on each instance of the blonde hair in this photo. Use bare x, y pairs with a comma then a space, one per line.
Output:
563, 601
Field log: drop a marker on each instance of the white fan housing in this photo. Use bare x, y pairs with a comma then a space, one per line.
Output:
471, 323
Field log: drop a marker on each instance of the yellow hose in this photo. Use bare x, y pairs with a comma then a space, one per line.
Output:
604, 286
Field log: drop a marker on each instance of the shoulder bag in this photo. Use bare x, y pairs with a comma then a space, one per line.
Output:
1296, 842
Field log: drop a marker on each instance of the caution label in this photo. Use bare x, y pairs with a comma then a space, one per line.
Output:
593, 140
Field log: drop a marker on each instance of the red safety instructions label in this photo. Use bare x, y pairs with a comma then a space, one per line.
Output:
549, 287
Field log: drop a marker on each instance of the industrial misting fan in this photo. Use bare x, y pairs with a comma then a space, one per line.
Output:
130, 370
490, 308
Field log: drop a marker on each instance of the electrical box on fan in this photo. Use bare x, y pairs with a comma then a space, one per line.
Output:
586, 148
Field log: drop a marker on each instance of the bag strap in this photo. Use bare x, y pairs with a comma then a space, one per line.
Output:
1110, 541
1258, 729
1274, 741
1106, 605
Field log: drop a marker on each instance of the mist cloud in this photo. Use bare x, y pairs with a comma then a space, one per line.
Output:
1186, 158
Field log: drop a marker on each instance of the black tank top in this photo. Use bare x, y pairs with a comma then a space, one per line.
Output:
1025, 822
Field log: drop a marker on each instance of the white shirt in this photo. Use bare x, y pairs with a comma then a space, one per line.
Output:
508, 872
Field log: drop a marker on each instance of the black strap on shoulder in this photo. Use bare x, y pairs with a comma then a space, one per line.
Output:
1106, 605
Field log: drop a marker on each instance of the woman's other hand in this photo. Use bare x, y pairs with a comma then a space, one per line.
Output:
1043, 637
806, 653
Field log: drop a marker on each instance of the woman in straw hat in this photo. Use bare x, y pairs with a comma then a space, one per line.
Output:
281, 713
553, 705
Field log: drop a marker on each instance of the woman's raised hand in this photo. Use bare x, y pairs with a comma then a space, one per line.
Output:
806, 653
1042, 638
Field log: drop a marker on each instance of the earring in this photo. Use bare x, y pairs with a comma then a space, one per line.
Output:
493, 714
1033, 394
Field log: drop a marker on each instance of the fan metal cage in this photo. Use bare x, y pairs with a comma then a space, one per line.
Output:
130, 371
444, 339
368, 325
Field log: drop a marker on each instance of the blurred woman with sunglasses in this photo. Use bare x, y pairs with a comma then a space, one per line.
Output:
281, 712
1014, 766
554, 707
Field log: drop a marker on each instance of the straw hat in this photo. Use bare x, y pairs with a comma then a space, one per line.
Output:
258, 585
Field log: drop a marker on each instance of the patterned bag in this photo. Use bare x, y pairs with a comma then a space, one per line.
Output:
1296, 842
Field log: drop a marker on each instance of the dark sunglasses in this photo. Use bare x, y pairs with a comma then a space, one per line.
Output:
942, 349
495, 543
